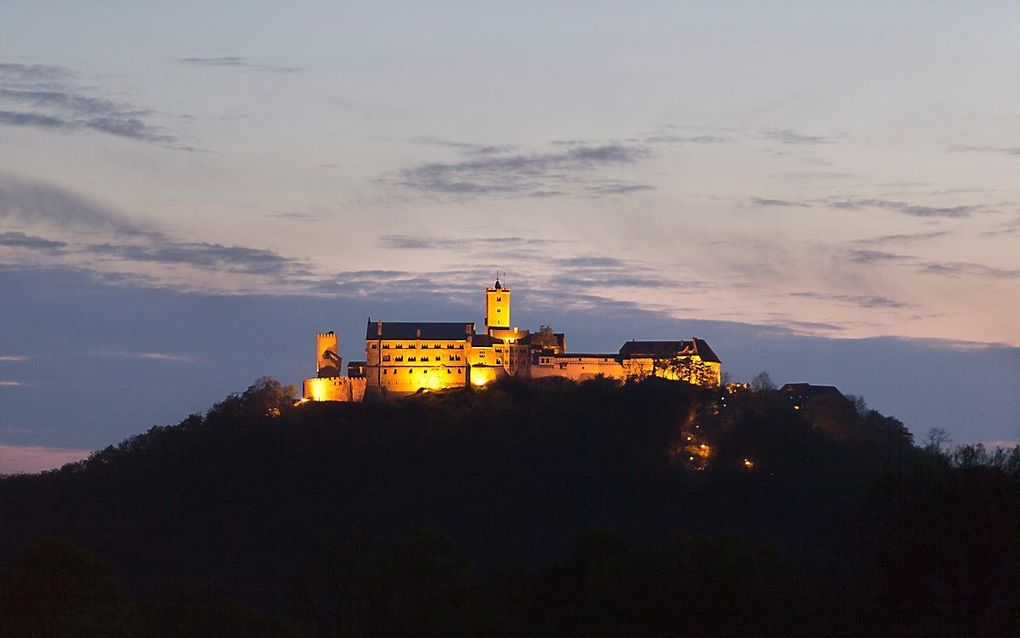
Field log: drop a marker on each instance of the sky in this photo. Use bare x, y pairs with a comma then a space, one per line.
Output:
189, 191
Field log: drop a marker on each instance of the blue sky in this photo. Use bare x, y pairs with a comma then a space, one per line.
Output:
823, 190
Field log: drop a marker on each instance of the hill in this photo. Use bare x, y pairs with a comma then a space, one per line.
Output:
554, 508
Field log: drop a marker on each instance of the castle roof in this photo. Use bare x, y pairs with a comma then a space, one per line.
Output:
666, 349
410, 330
484, 340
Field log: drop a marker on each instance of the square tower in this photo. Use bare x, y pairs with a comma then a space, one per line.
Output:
497, 308
327, 355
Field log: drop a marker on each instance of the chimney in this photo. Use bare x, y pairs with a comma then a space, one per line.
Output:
417, 333
378, 328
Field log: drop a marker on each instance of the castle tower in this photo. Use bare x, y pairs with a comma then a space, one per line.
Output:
327, 354
497, 307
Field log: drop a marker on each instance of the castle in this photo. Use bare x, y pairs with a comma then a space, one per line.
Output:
406, 357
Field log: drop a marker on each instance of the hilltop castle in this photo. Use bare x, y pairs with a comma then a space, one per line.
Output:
405, 357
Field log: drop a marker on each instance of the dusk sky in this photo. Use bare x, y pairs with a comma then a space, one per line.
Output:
189, 191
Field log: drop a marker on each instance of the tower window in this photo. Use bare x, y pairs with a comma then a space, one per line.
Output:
386, 357
499, 299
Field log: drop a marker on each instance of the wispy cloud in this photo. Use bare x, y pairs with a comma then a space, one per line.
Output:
669, 138
967, 269
468, 148
50, 97
1005, 229
237, 62
37, 202
791, 136
784, 203
906, 208
566, 170
12, 384
153, 356
419, 242
294, 216
999, 150
875, 257
237, 259
585, 273
31, 242
13, 357
902, 238
862, 301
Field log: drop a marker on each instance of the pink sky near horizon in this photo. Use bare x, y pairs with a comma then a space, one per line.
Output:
29, 459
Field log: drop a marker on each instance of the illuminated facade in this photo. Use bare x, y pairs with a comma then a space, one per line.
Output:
328, 385
406, 357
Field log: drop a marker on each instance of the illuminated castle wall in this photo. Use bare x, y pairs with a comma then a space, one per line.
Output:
328, 384
406, 357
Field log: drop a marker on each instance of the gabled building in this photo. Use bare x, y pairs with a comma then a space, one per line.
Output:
402, 357
800, 393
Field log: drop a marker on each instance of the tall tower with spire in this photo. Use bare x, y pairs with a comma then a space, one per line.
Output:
497, 307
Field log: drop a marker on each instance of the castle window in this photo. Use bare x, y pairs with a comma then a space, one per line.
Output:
374, 346
499, 299
399, 346
449, 346
424, 358
385, 371
399, 357
386, 357
482, 353
410, 370
451, 357
499, 310
498, 362
458, 357
448, 371
385, 346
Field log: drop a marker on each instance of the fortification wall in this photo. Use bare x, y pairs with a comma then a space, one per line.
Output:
334, 389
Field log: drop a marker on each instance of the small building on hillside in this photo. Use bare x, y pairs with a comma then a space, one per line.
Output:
801, 393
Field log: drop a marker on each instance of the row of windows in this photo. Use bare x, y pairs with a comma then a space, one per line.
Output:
437, 358
423, 346
422, 371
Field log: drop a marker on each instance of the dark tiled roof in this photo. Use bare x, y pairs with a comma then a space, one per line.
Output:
809, 390
705, 351
484, 340
584, 355
435, 330
665, 349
